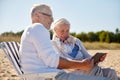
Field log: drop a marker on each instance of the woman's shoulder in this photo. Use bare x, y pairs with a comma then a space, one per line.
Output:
53, 42
75, 39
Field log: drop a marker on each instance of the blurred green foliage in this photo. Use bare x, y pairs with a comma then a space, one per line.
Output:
101, 36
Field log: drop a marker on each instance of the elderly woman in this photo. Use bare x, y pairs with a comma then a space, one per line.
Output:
70, 47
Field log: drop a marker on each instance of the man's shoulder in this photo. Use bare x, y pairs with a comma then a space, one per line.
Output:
35, 29
38, 27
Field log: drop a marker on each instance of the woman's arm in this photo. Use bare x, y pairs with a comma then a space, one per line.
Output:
83, 49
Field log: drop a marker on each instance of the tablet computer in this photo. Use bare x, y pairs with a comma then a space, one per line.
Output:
97, 57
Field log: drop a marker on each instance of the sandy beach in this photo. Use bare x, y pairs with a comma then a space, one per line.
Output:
7, 72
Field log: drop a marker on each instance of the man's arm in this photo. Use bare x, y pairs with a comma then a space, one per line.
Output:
86, 64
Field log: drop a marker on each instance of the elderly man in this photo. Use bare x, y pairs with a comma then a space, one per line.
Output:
70, 47
36, 52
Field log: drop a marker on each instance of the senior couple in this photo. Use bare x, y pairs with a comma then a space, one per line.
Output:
65, 52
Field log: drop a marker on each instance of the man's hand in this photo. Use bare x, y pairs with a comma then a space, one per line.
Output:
88, 64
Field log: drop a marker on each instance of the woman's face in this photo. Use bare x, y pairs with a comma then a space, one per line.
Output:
62, 31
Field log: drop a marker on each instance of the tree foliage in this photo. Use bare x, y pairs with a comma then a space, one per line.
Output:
101, 36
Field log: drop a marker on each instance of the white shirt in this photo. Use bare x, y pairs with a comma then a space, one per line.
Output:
36, 51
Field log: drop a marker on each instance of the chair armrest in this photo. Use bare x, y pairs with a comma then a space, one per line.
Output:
45, 74
41, 76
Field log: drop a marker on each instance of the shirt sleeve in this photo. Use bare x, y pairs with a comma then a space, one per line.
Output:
41, 40
83, 50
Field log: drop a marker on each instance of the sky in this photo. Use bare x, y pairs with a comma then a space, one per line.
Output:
84, 15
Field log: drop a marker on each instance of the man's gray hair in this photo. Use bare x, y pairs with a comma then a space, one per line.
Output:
60, 21
39, 8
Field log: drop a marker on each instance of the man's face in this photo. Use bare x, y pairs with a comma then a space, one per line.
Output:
48, 18
62, 31
49, 22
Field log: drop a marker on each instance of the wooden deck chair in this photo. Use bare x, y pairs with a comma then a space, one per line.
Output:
11, 50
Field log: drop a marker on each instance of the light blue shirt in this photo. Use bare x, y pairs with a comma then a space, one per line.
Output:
69, 50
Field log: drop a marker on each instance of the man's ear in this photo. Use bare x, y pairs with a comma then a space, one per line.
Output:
37, 15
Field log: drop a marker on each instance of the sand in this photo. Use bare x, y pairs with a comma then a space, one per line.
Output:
7, 72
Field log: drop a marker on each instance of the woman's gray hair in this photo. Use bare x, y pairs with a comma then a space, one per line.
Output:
39, 8
60, 21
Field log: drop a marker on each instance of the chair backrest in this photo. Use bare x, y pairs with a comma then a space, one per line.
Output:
11, 49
